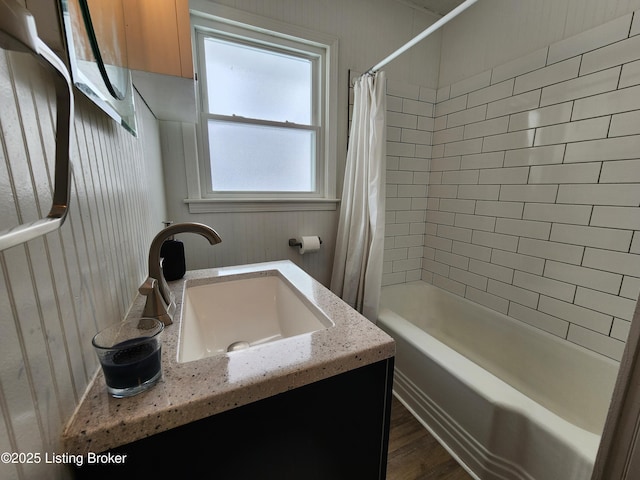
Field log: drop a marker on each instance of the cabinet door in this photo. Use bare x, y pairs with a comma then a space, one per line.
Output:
334, 429
158, 36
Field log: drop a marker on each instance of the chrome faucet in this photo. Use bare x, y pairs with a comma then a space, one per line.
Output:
161, 302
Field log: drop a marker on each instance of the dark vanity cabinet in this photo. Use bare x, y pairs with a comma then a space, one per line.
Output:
333, 429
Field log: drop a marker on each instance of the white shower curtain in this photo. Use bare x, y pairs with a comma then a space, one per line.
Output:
357, 265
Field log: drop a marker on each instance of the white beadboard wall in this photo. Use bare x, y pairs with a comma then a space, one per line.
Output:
58, 290
534, 190
247, 237
367, 31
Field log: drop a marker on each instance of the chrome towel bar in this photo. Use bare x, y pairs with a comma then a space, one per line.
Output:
18, 33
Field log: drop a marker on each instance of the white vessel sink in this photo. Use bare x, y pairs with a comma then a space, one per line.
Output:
240, 313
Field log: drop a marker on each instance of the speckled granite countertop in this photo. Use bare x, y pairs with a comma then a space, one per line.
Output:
194, 390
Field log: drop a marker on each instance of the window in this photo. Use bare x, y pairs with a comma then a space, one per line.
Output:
265, 104
262, 127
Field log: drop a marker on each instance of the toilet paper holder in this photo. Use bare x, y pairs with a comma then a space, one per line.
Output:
294, 242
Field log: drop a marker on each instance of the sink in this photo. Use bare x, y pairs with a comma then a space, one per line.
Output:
239, 313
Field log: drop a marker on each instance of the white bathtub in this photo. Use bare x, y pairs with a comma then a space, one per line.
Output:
508, 400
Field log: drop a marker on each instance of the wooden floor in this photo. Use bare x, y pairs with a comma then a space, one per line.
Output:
414, 454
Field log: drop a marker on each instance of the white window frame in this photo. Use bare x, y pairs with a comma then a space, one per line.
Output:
208, 19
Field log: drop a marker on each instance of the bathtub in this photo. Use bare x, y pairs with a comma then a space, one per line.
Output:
509, 401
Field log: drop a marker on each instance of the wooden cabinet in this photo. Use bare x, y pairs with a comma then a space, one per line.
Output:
334, 429
158, 36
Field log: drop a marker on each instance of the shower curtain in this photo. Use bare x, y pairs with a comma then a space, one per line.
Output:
357, 265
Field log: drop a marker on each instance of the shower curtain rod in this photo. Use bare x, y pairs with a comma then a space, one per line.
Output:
432, 28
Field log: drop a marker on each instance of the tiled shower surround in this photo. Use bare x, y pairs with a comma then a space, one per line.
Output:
526, 197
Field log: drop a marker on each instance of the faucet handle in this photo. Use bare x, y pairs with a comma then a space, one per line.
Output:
155, 306
148, 286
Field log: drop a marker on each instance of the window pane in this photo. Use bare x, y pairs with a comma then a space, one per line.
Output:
256, 83
261, 158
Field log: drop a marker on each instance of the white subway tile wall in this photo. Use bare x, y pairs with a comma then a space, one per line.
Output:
410, 124
533, 200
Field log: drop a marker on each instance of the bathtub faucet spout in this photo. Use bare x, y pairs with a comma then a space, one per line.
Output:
160, 301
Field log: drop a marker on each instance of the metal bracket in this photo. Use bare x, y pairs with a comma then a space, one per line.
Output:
18, 33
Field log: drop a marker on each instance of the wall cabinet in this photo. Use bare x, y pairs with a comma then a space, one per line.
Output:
334, 429
158, 36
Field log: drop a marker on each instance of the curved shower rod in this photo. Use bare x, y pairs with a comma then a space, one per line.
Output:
18, 33
432, 28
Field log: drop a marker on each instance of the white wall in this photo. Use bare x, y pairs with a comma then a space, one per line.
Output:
534, 195
367, 31
57, 291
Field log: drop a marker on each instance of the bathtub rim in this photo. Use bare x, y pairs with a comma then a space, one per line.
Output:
522, 323
583, 442
567, 378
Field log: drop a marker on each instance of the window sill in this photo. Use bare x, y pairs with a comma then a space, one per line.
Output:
209, 205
